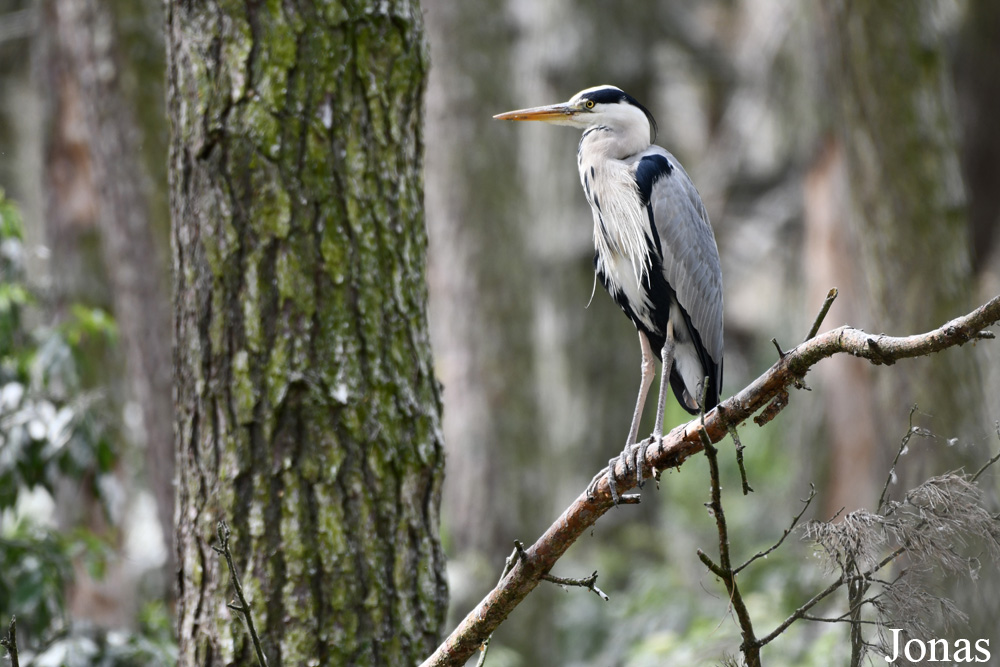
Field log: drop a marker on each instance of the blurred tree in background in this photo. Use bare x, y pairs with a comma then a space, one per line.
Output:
104, 248
77, 157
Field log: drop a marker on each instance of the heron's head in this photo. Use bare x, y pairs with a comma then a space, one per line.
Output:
606, 106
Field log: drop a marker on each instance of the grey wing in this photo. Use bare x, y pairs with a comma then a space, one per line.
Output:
690, 255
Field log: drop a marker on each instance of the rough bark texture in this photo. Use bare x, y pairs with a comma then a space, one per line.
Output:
308, 413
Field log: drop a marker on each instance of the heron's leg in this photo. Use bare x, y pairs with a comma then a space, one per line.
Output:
667, 354
628, 454
645, 383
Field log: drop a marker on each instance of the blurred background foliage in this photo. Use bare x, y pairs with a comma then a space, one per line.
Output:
53, 432
835, 144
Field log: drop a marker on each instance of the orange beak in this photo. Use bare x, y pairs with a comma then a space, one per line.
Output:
546, 113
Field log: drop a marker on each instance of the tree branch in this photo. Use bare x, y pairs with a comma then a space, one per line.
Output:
244, 606
768, 392
788, 531
724, 570
10, 641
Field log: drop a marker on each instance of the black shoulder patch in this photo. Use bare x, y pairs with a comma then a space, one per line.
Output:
649, 170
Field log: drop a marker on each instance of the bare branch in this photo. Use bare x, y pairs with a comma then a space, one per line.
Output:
243, 607
899, 452
10, 641
818, 322
750, 646
682, 443
801, 611
507, 565
990, 462
791, 527
587, 582
734, 434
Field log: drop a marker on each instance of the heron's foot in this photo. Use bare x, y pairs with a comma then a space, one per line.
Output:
609, 473
640, 456
631, 457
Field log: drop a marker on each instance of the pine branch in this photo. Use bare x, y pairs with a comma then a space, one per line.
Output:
768, 393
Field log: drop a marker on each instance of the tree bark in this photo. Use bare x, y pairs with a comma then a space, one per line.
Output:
307, 409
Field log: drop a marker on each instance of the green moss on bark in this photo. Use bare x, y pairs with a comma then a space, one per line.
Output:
307, 409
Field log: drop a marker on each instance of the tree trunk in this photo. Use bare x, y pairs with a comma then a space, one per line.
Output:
898, 127
897, 123
307, 408
98, 223
479, 276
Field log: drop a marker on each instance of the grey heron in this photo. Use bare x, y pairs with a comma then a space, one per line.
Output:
655, 252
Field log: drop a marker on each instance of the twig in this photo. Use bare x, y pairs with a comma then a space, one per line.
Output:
788, 531
899, 452
10, 641
508, 565
822, 595
747, 489
586, 582
678, 446
818, 322
244, 606
839, 619
734, 434
518, 555
724, 570
991, 461
856, 590
800, 612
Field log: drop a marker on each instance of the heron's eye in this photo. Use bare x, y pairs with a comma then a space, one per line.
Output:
589, 104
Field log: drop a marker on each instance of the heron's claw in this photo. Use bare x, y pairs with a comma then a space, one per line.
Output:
609, 473
632, 458
640, 457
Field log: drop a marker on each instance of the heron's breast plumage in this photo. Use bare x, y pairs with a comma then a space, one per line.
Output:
622, 234
632, 263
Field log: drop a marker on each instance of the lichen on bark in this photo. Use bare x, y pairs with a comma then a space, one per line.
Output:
308, 413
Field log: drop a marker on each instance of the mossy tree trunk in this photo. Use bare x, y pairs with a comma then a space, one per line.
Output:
308, 415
